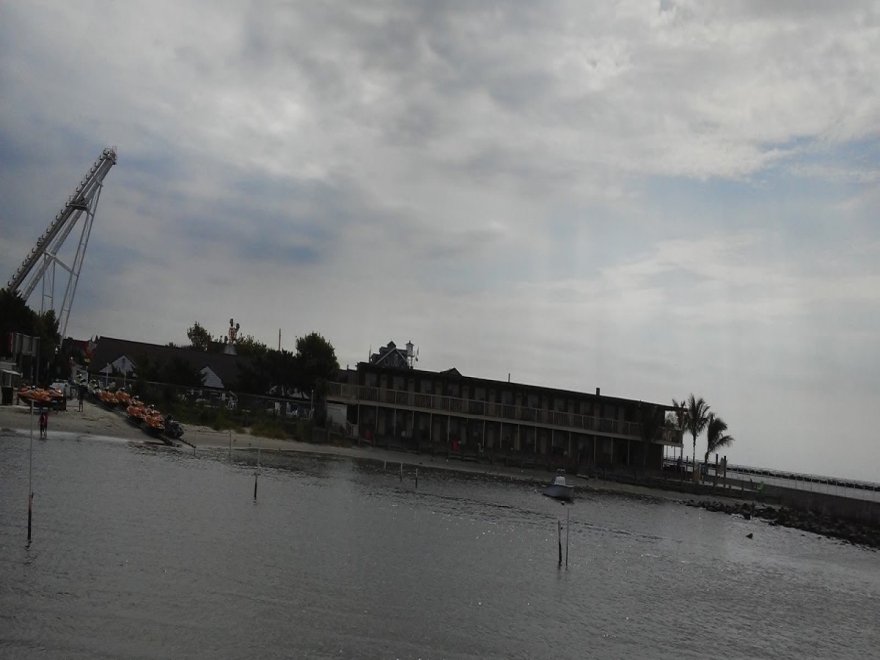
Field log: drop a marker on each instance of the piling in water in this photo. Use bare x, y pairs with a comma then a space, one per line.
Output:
31, 475
559, 539
567, 525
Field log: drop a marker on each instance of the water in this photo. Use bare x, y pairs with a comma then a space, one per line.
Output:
141, 553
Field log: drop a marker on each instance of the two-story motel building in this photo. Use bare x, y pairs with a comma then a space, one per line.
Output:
392, 404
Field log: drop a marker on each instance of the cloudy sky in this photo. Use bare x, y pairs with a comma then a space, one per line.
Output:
651, 198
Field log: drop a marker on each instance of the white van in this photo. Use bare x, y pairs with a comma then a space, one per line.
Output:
65, 387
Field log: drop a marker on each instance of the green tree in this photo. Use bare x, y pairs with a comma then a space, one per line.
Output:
147, 369
694, 416
15, 316
247, 345
316, 362
180, 372
51, 360
199, 338
716, 438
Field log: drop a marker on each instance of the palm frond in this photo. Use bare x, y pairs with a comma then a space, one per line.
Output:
715, 434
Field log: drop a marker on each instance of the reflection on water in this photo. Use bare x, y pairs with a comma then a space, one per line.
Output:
142, 552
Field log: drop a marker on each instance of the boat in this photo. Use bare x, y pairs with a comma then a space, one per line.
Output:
154, 421
108, 397
560, 489
136, 411
123, 399
42, 397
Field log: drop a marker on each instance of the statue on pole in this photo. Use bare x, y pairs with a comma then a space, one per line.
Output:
231, 337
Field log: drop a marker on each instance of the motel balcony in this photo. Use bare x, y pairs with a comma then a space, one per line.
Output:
490, 411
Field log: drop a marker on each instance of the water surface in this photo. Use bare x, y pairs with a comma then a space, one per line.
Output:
144, 553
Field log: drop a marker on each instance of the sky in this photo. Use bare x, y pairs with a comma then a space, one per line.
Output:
656, 199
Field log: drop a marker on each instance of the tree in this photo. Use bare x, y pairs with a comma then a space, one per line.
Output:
180, 372
15, 316
247, 345
715, 435
199, 337
316, 362
46, 328
695, 417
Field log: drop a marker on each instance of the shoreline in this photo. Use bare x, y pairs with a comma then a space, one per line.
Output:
98, 421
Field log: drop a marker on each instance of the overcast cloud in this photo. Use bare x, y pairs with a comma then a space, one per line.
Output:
651, 198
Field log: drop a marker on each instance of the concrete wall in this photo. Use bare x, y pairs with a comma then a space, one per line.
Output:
834, 506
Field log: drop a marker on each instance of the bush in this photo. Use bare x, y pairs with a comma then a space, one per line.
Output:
269, 428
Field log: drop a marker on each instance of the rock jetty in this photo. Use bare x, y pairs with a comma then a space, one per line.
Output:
853, 532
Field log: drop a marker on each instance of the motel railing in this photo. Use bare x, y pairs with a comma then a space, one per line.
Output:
438, 403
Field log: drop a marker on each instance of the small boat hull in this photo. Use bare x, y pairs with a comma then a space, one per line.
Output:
562, 492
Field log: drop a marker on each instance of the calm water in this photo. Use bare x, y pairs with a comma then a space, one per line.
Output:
142, 553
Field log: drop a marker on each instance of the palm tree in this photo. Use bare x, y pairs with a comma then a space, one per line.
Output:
696, 416
715, 436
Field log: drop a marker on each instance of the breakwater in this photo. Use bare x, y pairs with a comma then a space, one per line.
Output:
803, 519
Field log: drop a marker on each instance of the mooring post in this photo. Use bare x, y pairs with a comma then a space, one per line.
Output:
417, 477
257, 471
401, 471
567, 524
559, 539
30, 475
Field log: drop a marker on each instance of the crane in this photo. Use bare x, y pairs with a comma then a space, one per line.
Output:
40, 264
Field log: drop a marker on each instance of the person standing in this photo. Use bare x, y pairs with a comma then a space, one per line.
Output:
44, 424
79, 398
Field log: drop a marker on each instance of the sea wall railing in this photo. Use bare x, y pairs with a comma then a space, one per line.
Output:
439, 403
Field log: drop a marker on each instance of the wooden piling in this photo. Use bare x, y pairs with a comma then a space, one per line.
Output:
30, 476
559, 539
567, 525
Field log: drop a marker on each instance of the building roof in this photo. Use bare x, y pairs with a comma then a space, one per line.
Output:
390, 356
109, 349
454, 375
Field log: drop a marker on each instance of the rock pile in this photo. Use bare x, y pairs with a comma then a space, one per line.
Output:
854, 532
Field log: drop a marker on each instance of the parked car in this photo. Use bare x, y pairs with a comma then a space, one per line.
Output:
64, 387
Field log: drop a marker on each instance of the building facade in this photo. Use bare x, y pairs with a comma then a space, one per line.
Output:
446, 412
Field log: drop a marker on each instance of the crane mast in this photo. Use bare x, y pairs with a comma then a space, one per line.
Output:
41, 263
